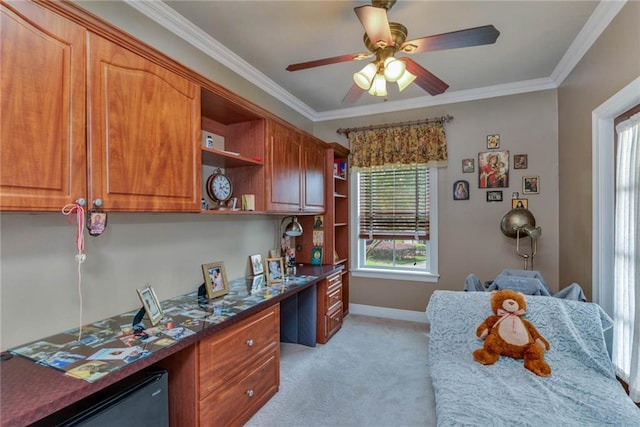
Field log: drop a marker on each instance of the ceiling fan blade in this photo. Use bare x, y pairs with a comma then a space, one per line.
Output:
328, 61
425, 79
353, 95
487, 34
375, 23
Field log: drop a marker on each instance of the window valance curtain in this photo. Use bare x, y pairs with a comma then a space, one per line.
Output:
398, 146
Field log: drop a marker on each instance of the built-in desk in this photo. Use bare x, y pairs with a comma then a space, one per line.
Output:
31, 392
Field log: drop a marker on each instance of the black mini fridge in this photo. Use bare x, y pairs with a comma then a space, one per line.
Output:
140, 401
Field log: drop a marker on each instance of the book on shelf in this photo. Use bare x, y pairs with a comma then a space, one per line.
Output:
340, 168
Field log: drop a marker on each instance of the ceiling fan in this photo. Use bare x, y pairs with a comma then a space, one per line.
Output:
384, 39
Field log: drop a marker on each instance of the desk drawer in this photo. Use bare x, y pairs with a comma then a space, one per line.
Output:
236, 403
226, 354
333, 297
333, 281
333, 321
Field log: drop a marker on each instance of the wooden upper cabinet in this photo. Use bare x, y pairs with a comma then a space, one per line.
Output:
283, 183
295, 177
42, 77
313, 175
143, 133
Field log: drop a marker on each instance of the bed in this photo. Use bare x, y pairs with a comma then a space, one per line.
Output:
582, 389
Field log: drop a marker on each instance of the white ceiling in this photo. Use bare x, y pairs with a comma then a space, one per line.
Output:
539, 43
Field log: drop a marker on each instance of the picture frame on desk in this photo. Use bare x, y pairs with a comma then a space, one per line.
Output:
215, 279
275, 270
256, 264
151, 304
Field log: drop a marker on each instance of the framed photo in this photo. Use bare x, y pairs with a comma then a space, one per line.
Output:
318, 222
275, 270
519, 204
215, 279
520, 161
97, 222
493, 141
256, 264
468, 165
151, 304
461, 190
316, 256
493, 169
530, 185
494, 196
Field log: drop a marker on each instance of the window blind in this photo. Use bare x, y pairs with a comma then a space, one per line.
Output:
394, 204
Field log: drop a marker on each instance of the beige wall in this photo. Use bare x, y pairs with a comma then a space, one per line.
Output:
39, 272
611, 63
470, 240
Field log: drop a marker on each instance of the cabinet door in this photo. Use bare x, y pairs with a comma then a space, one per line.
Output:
42, 77
283, 186
313, 166
144, 133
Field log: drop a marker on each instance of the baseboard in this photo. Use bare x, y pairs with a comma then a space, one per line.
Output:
388, 313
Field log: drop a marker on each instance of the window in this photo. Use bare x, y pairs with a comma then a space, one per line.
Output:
395, 213
626, 283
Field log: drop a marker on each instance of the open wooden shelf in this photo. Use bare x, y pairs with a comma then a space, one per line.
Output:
222, 159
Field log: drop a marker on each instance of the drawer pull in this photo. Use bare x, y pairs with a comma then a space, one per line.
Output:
250, 393
250, 342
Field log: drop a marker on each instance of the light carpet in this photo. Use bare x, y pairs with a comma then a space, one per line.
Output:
373, 372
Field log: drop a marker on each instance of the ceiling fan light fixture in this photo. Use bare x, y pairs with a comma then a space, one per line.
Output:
364, 78
393, 69
379, 86
405, 80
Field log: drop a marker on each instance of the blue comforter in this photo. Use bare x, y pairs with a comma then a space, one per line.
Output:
582, 389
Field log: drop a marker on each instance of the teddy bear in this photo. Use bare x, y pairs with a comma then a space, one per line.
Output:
507, 333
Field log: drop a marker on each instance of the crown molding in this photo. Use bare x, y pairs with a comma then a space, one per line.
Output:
595, 25
168, 18
445, 98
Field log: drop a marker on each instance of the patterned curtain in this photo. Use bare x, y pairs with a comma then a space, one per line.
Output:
398, 147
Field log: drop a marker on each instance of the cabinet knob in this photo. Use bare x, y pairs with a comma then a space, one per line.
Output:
250, 393
81, 201
250, 342
97, 203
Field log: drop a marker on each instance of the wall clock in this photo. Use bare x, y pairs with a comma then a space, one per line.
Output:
219, 188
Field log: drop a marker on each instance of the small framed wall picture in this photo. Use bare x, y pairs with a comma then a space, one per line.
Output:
493, 169
461, 190
316, 256
468, 165
493, 141
215, 279
519, 204
275, 270
494, 196
151, 304
256, 264
520, 161
530, 185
